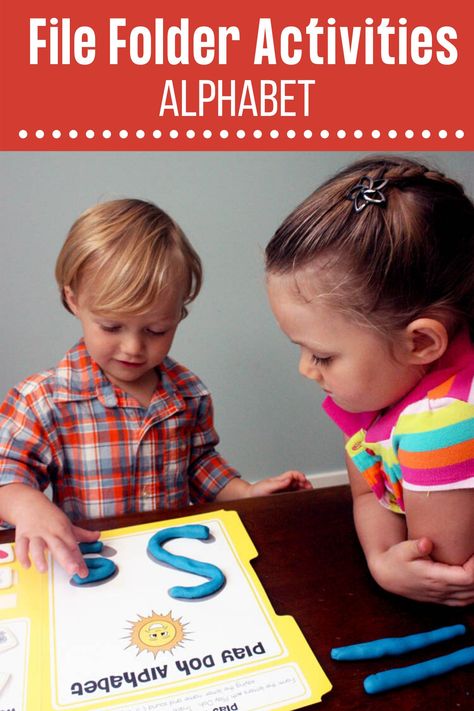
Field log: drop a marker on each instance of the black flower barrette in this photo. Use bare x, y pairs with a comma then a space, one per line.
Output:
367, 191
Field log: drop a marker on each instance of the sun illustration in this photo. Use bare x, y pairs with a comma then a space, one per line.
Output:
156, 633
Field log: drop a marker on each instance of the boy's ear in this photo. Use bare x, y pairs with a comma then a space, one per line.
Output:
426, 340
70, 299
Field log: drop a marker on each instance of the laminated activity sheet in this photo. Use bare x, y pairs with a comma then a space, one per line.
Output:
181, 624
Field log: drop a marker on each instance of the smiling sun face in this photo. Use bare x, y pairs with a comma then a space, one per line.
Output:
156, 633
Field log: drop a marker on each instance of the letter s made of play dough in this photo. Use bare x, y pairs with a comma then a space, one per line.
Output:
189, 565
100, 568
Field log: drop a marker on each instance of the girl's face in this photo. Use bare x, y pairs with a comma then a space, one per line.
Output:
352, 363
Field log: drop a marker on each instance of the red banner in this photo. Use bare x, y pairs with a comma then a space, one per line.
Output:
116, 75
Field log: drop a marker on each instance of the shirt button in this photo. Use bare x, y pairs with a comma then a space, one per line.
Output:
148, 490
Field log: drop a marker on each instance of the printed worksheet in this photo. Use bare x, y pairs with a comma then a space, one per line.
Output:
174, 618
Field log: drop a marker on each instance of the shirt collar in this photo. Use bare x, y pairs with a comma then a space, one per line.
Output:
74, 375
458, 356
78, 377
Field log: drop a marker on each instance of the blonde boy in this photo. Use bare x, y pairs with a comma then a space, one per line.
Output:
117, 426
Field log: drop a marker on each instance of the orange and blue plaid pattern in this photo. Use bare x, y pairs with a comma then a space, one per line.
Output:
103, 453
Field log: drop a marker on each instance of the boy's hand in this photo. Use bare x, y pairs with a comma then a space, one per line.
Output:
288, 481
241, 489
41, 526
58, 536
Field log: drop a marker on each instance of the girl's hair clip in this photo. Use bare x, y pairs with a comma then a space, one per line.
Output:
367, 191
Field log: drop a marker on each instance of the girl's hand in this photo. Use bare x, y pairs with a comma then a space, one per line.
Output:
406, 569
288, 481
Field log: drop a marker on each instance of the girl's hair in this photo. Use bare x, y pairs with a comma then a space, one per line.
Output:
126, 252
392, 262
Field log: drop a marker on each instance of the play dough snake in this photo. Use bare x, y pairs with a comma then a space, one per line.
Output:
393, 678
189, 565
392, 646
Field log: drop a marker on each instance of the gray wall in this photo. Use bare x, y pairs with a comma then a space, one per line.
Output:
229, 204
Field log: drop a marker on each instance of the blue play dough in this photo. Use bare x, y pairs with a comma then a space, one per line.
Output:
393, 678
99, 569
93, 547
189, 565
391, 646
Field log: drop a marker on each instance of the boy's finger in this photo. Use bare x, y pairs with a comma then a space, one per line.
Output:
21, 551
37, 554
69, 557
84, 535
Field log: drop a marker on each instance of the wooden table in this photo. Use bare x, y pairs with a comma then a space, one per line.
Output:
312, 568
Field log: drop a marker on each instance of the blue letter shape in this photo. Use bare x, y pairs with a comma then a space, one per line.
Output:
93, 547
206, 570
99, 569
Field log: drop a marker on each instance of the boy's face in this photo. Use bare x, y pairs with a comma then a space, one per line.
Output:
352, 363
128, 348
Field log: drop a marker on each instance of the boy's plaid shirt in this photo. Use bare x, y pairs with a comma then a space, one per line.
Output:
102, 452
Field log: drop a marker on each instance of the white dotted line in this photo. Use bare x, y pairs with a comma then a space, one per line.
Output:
291, 134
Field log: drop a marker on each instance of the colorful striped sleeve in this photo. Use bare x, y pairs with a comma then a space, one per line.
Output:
434, 442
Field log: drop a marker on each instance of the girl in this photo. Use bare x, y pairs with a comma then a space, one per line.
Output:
117, 426
373, 277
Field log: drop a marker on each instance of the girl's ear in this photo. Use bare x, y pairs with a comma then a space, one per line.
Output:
70, 299
426, 340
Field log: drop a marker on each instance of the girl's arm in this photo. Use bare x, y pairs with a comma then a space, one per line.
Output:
378, 529
446, 518
400, 565
435, 446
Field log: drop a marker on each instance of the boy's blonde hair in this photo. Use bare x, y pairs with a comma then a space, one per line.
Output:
126, 252
410, 256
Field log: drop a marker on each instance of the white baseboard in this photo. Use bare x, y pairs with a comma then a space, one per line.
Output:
324, 479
